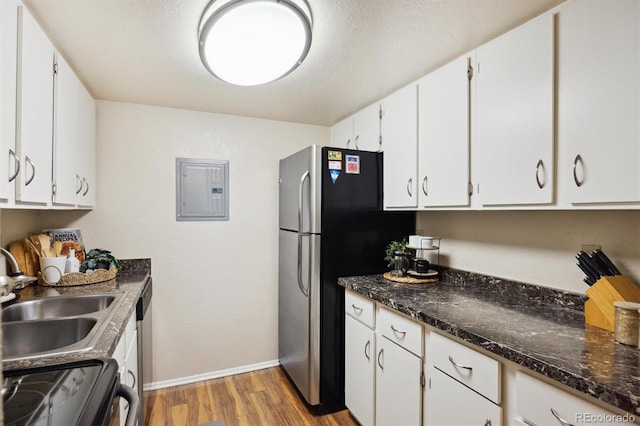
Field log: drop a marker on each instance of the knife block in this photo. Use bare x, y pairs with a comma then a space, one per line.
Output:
599, 310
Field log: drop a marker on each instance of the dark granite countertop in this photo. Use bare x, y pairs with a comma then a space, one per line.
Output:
130, 280
536, 327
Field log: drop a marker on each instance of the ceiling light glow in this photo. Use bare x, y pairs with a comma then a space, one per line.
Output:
252, 42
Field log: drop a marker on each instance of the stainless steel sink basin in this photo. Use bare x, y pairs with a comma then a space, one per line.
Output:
57, 325
56, 307
35, 337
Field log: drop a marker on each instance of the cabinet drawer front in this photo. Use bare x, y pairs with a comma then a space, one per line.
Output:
535, 399
360, 308
466, 365
403, 331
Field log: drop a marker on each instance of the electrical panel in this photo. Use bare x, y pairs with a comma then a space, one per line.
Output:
202, 189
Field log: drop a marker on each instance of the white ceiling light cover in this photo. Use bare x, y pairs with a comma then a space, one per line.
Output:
252, 42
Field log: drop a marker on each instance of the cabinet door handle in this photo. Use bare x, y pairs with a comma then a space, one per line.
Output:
562, 421
133, 376
539, 166
28, 161
487, 422
424, 186
79, 184
379, 356
356, 308
577, 160
466, 367
367, 349
409, 185
16, 162
348, 142
86, 185
398, 332
356, 142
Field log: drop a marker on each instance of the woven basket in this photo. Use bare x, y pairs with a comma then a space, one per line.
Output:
80, 278
409, 280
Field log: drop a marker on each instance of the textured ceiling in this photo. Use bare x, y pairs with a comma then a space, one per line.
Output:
145, 51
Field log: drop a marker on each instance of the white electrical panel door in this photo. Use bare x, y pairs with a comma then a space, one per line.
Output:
202, 189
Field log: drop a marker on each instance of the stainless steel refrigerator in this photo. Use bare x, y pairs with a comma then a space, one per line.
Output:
331, 225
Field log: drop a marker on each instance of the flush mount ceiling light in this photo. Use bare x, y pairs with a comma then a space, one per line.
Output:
252, 42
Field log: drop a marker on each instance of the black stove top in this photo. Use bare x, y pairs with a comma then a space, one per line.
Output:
77, 393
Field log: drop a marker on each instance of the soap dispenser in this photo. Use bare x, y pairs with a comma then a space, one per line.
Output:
73, 264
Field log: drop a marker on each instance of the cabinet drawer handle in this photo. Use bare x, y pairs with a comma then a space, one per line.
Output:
86, 185
539, 166
28, 161
79, 182
562, 421
379, 356
367, 349
398, 332
409, 185
16, 162
357, 309
577, 160
356, 142
466, 367
424, 186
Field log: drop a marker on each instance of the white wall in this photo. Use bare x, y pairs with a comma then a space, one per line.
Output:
215, 283
536, 247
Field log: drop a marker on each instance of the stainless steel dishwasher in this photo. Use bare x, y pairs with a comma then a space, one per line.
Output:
141, 309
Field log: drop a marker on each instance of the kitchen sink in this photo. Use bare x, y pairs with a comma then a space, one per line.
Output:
56, 307
58, 325
35, 337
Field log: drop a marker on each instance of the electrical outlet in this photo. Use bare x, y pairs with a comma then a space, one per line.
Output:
590, 247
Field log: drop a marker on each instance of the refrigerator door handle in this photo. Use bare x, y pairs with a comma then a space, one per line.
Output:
304, 177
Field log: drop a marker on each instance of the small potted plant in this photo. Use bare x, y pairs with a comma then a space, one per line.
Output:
393, 247
99, 259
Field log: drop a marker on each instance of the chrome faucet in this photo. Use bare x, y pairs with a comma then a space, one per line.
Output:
16, 274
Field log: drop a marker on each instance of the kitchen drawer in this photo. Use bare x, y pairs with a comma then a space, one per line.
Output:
401, 330
469, 367
540, 403
360, 308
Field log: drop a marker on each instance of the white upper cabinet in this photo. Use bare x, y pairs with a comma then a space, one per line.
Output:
9, 162
360, 131
87, 194
67, 154
400, 140
599, 100
366, 128
514, 124
35, 111
443, 136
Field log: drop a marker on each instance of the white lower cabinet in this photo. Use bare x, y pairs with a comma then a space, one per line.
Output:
539, 403
126, 354
398, 385
359, 382
449, 402
464, 385
383, 380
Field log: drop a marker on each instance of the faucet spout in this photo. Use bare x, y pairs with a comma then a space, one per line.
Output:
15, 268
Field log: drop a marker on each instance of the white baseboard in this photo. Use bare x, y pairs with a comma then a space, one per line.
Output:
211, 375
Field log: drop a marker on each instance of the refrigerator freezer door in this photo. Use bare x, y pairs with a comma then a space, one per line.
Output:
299, 314
300, 180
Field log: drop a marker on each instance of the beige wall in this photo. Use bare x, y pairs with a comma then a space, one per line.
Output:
536, 247
215, 283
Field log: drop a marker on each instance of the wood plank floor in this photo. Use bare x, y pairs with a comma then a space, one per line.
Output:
263, 397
